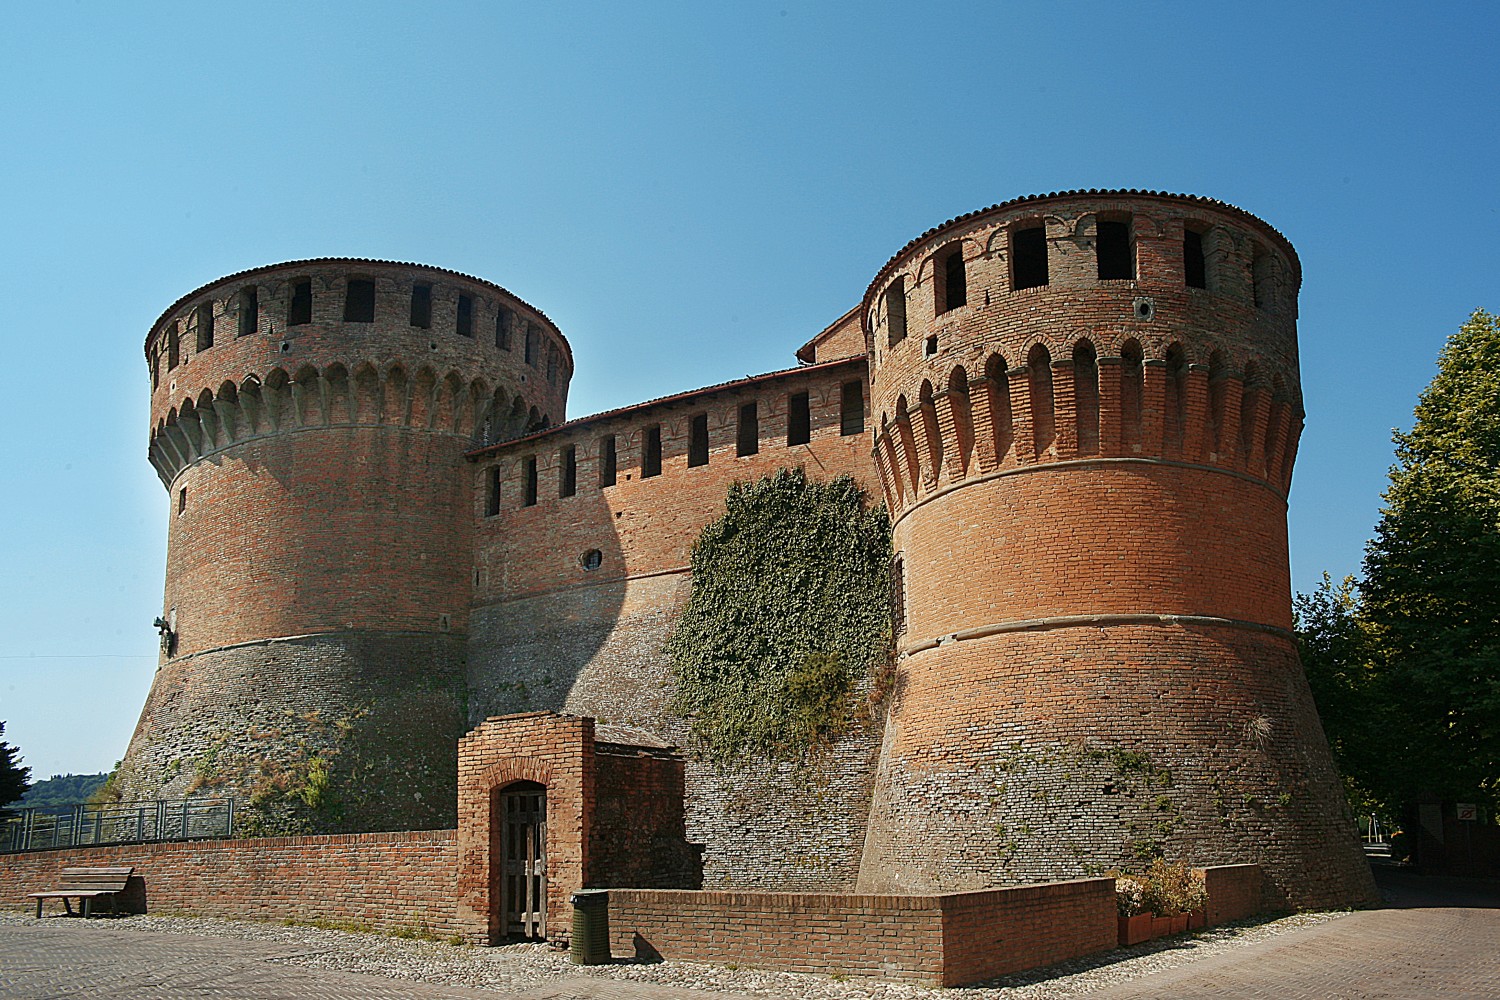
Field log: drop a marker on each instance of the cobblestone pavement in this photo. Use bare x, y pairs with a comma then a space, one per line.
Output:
1437, 938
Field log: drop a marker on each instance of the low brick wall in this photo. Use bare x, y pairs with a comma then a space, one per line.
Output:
385, 881
1234, 892
939, 940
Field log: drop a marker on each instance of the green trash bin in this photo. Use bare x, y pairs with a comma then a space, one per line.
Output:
590, 944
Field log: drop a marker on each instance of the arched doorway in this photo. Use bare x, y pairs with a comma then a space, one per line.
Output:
521, 809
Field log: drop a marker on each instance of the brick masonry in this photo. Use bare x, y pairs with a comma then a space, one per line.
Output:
381, 519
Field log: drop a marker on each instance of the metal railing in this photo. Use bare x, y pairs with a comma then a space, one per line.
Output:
50, 827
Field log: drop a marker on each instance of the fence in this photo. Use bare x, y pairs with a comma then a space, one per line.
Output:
50, 827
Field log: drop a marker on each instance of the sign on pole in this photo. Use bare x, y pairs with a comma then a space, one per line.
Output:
1467, 810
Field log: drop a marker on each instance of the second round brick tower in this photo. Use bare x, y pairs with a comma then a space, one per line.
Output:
1087, 407
309, 421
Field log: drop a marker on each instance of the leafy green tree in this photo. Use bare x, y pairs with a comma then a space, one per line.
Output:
14, 779
1431, 594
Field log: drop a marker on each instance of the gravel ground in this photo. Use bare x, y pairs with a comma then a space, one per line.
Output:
524, 966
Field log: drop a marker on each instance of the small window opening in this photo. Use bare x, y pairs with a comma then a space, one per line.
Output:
204, 320
463, 323
592, 560
698, 441
530, 500
552, 364
798, 419
651, 452
182, 500
895, 312
607, 460
492, 492
567, 483
249, 310
852, 409
503, 321
1260, 273
953, 287
898, 595
747, 438
1115, 255
1028, 257
359, 301
300, 309
421, 306
1194, 264
154, 361
929, 349
172, 346
532, 341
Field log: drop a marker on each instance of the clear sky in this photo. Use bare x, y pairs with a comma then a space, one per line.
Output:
690, 191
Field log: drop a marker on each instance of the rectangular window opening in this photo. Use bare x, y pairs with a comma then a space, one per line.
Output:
567, 484
747, 441
492, 492
955, 288
852, 409
205, 322
698, 441
503, 321
421, 306
1116, 255
1028, 257
1194, 264
530, 500
552, 355
607, 460
249, 310
359, 301
651, 452
463, 323
895, 312
300, 309
798, 419
532, 342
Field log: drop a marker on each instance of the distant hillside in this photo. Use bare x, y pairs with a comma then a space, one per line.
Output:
61, 789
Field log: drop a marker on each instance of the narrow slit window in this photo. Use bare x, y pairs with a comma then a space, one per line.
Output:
953, 290
463, 321
504, 319
249, 310
1115, 255
172, 347
1260, 276
300, 309
552, 354
1194, 263
532, 342
492, 492
698, 441
182, 500
895, 312
155, 362
530, 500
203, 318
798, 419
651, 452
421, 306
607, 460
567, 483
852, 409
747, 440
1028, 257
359, 301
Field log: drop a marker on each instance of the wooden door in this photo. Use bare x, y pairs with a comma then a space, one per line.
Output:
523, 880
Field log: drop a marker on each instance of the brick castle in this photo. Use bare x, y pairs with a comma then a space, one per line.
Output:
1081, 411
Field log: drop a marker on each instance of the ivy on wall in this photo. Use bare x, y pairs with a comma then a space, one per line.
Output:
789, 613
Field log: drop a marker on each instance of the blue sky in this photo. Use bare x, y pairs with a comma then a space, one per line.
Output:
690, 191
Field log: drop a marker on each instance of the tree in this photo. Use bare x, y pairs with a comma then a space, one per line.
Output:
1431, 594
14, 779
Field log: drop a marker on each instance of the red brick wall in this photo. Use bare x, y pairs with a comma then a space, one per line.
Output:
383, 881
1234, 892
938, 940
638, 835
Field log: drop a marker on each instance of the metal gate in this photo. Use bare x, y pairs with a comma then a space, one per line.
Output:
523, 878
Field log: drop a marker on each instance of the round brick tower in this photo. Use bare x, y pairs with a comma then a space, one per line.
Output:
309, 421
1087, 410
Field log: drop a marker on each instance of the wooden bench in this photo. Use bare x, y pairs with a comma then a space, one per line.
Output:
85, 885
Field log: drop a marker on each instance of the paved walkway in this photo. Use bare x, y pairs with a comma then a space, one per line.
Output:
1438, 938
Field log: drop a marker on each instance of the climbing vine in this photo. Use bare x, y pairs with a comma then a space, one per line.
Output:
788, 616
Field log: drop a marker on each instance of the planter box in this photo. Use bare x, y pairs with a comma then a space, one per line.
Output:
1134, 930
1197, 920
